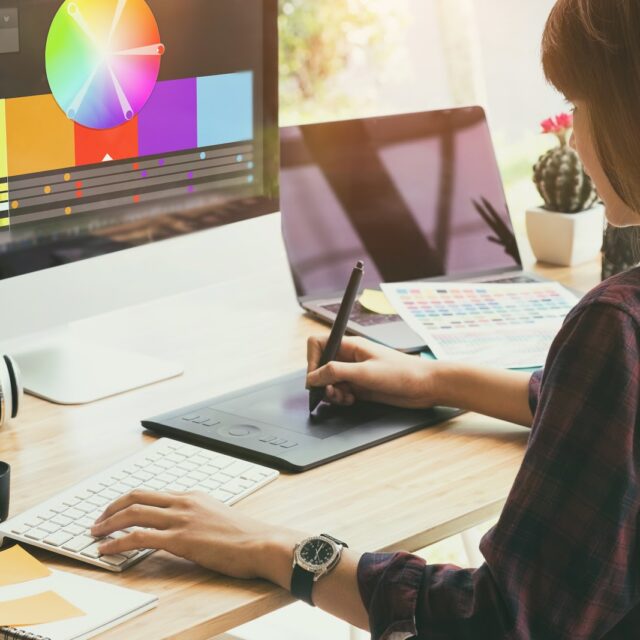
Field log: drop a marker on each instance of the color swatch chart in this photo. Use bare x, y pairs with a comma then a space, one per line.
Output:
504, 325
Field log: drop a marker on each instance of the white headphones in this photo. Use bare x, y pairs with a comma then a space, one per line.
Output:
10, 389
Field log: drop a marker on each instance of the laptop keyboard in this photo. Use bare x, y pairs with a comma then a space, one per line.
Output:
366, 318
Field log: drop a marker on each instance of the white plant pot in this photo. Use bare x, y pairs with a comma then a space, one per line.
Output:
566, 239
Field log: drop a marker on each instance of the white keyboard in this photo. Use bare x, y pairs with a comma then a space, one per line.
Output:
62, 523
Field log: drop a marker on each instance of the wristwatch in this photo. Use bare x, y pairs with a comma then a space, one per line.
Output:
313, 558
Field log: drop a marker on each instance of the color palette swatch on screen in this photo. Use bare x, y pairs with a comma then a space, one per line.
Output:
103, 60
179, 115
503, 325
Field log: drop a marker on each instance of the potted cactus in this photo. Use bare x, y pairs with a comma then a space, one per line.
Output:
568, 228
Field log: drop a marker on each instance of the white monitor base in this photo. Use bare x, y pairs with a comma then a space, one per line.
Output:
72, 371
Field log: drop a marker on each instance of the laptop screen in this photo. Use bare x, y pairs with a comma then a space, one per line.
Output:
414, 196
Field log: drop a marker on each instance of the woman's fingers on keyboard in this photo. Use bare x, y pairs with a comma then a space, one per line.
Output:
141, 497
135, 515
140, 539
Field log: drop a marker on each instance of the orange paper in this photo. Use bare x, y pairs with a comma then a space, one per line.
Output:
17, 566
39, 609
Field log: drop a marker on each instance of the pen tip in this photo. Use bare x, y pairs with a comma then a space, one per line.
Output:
360, 265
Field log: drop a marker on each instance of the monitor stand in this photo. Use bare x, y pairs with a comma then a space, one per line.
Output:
69, 369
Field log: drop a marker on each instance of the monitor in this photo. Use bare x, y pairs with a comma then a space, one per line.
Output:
124, 123
400, 192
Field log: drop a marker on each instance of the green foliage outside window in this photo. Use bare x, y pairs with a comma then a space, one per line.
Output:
319, 41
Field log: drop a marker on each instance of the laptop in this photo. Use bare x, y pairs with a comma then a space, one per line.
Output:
415, 196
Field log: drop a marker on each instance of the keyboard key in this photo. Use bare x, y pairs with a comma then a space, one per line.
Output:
19, 529
175, 487
92, 551
109, 494
256, 475
98, 501
63, 520
116, 561
72, 514
78, 543
85, 507
36, 534
58, 539
74, 529
288, 445
59, 508
33, 521
50, 527
197, 475
238, 468
165, 464
131, 482
86, 522
221, 494
237, 485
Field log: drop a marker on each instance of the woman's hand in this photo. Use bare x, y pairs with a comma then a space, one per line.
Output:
201, 529
366, 371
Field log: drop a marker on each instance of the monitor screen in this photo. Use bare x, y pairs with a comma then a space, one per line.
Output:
414, 196
123, 122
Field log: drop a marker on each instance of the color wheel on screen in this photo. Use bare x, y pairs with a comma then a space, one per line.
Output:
103, 60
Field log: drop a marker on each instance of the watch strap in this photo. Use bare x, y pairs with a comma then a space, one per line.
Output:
302, 584
342, 544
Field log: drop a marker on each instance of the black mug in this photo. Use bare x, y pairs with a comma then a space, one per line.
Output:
5, 485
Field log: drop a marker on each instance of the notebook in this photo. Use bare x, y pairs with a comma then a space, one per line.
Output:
104, 604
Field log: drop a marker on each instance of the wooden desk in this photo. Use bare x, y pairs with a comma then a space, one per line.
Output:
406, 494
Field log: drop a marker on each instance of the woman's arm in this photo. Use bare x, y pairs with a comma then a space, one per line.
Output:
199, 528
368, 371
492, 392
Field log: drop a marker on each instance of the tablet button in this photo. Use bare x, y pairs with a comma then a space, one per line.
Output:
289, 445
240, 430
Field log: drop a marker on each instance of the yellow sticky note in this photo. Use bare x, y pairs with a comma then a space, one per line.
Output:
376, 302
39, 609
16, 565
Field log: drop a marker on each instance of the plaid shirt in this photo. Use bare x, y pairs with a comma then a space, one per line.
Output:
563, 562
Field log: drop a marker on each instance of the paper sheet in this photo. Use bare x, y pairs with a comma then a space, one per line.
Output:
504, 325
376, 302
16, 566
38, 609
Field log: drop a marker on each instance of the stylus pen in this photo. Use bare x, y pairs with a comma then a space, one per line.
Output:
316, 394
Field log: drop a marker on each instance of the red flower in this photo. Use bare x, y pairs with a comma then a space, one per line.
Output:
560, 124
549, 126
565, 120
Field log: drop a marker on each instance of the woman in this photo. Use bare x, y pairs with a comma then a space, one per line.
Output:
564, 559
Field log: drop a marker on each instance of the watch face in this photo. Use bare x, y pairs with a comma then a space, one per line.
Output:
317, 552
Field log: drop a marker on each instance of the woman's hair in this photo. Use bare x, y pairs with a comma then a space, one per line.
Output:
591, 52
